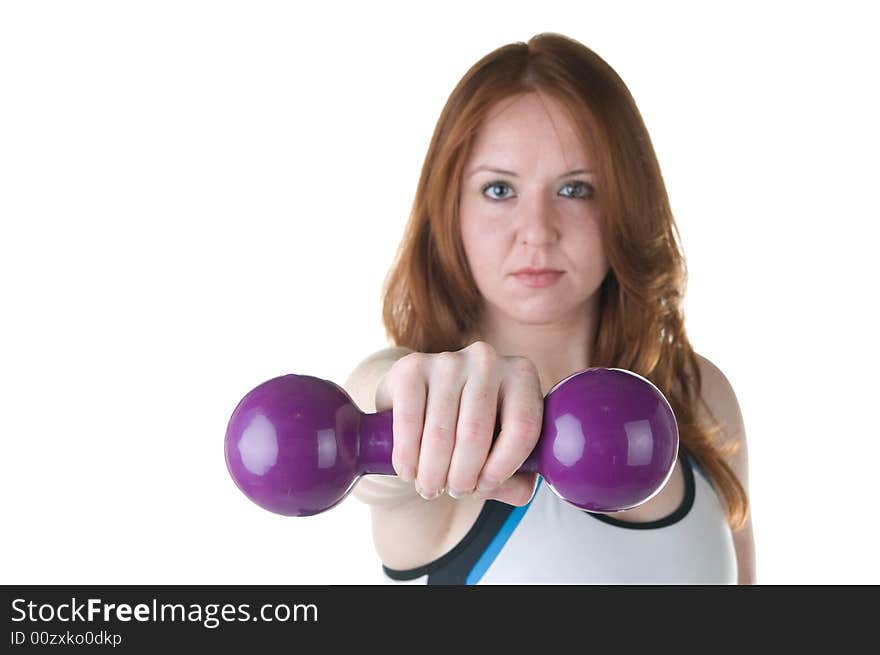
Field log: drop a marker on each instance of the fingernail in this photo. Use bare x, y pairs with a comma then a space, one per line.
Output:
406, 474
427, 495
457, 494
485, 485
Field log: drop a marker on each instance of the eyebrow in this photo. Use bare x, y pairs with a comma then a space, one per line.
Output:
501, 171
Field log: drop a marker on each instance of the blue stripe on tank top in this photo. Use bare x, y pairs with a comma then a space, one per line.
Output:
491, 553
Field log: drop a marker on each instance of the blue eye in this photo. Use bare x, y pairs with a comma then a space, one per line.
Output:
495, 185
587, 189
584, 190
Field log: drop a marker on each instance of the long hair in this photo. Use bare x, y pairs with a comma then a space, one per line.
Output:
430, 299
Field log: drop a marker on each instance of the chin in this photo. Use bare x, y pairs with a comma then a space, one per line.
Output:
540, 313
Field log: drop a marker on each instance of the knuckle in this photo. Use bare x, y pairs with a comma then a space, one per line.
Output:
523, 366
404, 458
473, 431
406, 421
446, 363
409, 365
530, 418
525, 427
438, 436
484, 393
403, 441
482, 353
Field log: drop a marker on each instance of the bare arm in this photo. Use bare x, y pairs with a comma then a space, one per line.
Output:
377, 490
722, 402
408, 531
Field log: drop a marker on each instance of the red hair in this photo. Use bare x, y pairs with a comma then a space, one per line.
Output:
431, 302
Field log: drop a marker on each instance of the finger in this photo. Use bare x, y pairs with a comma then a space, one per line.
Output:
474, 431
522, 410
408, 417
441, 415
517, 490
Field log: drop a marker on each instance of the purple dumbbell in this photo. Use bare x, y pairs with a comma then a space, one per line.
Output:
296, 444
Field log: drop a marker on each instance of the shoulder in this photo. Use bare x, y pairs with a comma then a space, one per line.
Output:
363, 380
718, 401
379, 358
391, 352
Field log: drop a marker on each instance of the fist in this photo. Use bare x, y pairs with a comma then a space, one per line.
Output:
464, 422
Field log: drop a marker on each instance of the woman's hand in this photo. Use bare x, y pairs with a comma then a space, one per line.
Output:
445, 407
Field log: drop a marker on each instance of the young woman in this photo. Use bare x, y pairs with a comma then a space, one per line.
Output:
541, 243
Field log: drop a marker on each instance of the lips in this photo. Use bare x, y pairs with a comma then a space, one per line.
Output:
538, 278
536, 271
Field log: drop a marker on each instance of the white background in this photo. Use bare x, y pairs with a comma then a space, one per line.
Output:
198, 196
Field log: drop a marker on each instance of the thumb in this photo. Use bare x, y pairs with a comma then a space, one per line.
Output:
516, 490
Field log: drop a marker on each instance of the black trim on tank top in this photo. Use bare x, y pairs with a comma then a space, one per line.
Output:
686, 504
453, 567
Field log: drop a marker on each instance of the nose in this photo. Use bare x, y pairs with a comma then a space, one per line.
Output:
537, 221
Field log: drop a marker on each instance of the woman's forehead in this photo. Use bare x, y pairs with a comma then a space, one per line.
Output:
527, 108
526, 123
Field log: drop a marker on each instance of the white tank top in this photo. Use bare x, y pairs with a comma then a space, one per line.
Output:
549, 541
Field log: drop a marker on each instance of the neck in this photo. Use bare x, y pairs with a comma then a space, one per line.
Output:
556, 349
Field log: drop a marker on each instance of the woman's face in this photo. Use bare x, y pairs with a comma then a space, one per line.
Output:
536, 209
